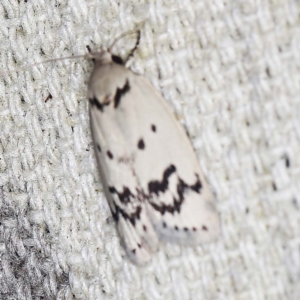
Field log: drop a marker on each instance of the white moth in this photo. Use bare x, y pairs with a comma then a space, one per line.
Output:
150, 173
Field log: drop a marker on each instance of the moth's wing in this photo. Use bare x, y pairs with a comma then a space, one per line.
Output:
154, 180
180, 204
121, 184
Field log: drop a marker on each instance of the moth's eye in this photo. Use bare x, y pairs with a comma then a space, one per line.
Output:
117, 59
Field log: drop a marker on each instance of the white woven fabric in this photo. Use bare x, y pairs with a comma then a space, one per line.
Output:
231, 71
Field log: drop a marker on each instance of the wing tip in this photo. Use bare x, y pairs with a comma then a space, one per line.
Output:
139, 256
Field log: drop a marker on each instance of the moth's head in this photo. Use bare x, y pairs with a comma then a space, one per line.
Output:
103, 57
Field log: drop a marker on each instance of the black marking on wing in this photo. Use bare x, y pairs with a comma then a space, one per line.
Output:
141, 144
156, 186
132, 217
109, 154
124, 196
121, 92
131, 201
95, 102
98, 147
182, 187
117, 59
153, 128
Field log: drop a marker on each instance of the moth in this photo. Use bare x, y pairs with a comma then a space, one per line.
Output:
149, 170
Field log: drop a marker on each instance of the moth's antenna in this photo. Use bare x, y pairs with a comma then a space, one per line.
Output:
123, 35
89, 50
135, 46
57, 59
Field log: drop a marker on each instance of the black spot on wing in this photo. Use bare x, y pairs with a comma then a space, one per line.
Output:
153, 128
141, 144
121, 92
125, 196
98, 148
160, 186
95, 102
109, 154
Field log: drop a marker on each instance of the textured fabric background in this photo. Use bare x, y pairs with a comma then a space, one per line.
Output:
231, 71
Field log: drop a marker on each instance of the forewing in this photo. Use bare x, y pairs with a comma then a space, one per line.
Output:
148, 167
180, 204
122, 188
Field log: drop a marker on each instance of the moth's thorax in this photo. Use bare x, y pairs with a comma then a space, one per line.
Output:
105, 79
